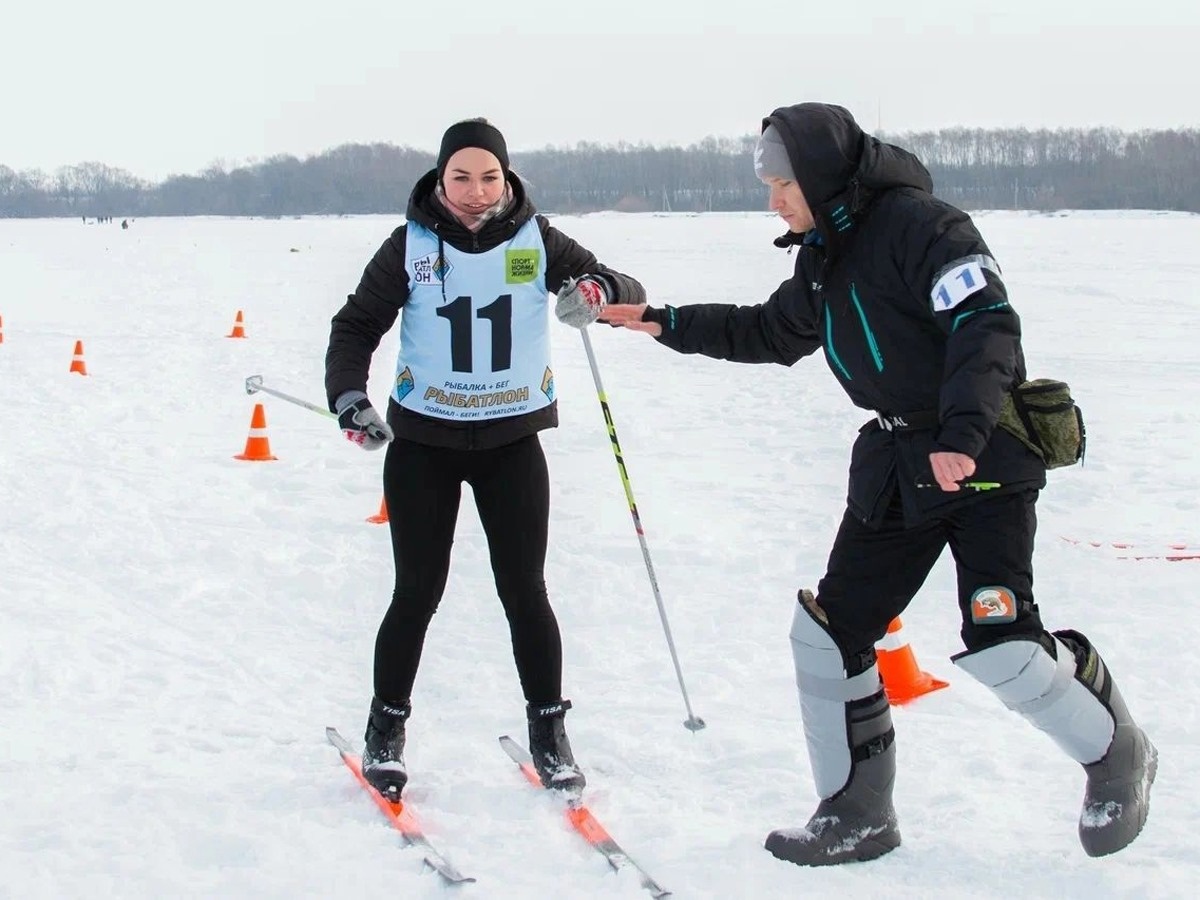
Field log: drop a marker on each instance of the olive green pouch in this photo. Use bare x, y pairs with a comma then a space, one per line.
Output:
1043, 416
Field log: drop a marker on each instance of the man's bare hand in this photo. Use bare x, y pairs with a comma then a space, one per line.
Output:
629, 316
951, 468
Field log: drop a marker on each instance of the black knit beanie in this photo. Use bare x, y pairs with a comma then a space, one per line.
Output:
472, 133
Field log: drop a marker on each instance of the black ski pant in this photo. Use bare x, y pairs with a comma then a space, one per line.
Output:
873, 573
422, 486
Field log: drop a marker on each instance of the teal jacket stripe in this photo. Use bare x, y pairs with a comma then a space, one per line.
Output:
834, 358
862, 315
962, 317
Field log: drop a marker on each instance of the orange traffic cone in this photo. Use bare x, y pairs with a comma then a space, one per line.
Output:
258, 448
1, 329
902, 679
382, 516
238, 330
77, 363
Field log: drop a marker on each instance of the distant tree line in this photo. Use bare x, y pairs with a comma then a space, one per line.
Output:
1096, 168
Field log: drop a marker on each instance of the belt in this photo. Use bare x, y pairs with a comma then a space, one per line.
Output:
914, 421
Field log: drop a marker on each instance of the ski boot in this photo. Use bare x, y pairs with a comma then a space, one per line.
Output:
550, 749
383, 757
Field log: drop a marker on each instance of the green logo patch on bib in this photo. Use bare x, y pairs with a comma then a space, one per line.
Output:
520, 266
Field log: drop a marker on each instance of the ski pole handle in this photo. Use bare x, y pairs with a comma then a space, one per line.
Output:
254, 384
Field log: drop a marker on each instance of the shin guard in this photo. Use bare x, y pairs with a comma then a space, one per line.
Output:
848, 729
1061, 685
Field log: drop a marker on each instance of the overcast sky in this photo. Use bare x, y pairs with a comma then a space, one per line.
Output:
158, 88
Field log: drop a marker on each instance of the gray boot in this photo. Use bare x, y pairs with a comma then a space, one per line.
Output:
848, 727
1062, 686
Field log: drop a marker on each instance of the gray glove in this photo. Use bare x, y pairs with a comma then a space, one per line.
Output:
360, 422
580, 301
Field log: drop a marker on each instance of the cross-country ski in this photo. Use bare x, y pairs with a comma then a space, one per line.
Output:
399, 814
583, 821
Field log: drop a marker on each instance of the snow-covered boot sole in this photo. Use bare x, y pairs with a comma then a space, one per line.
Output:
1115, 808
826, 841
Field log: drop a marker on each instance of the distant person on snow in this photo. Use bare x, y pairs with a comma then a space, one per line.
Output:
903, 296
468, 275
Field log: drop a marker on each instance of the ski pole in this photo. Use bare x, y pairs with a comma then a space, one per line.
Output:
693, 723
254, 384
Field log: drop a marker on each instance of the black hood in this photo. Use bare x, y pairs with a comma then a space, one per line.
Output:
839, 167
425, 209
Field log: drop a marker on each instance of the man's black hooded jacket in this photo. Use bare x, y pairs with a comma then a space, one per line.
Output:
877, 287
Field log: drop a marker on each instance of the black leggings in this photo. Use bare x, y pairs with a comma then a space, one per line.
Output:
422, 486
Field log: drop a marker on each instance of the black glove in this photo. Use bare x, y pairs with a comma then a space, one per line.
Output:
360, 422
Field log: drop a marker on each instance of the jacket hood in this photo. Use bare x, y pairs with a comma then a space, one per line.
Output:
839, 167
425, 209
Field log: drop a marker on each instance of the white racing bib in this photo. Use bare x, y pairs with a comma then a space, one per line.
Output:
474, 333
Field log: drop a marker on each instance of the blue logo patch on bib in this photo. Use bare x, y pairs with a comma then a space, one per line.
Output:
433, 268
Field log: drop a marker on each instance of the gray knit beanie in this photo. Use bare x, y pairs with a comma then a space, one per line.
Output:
771, 156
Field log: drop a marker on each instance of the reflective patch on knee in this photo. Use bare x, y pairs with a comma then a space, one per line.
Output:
1043, 688
993, 605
